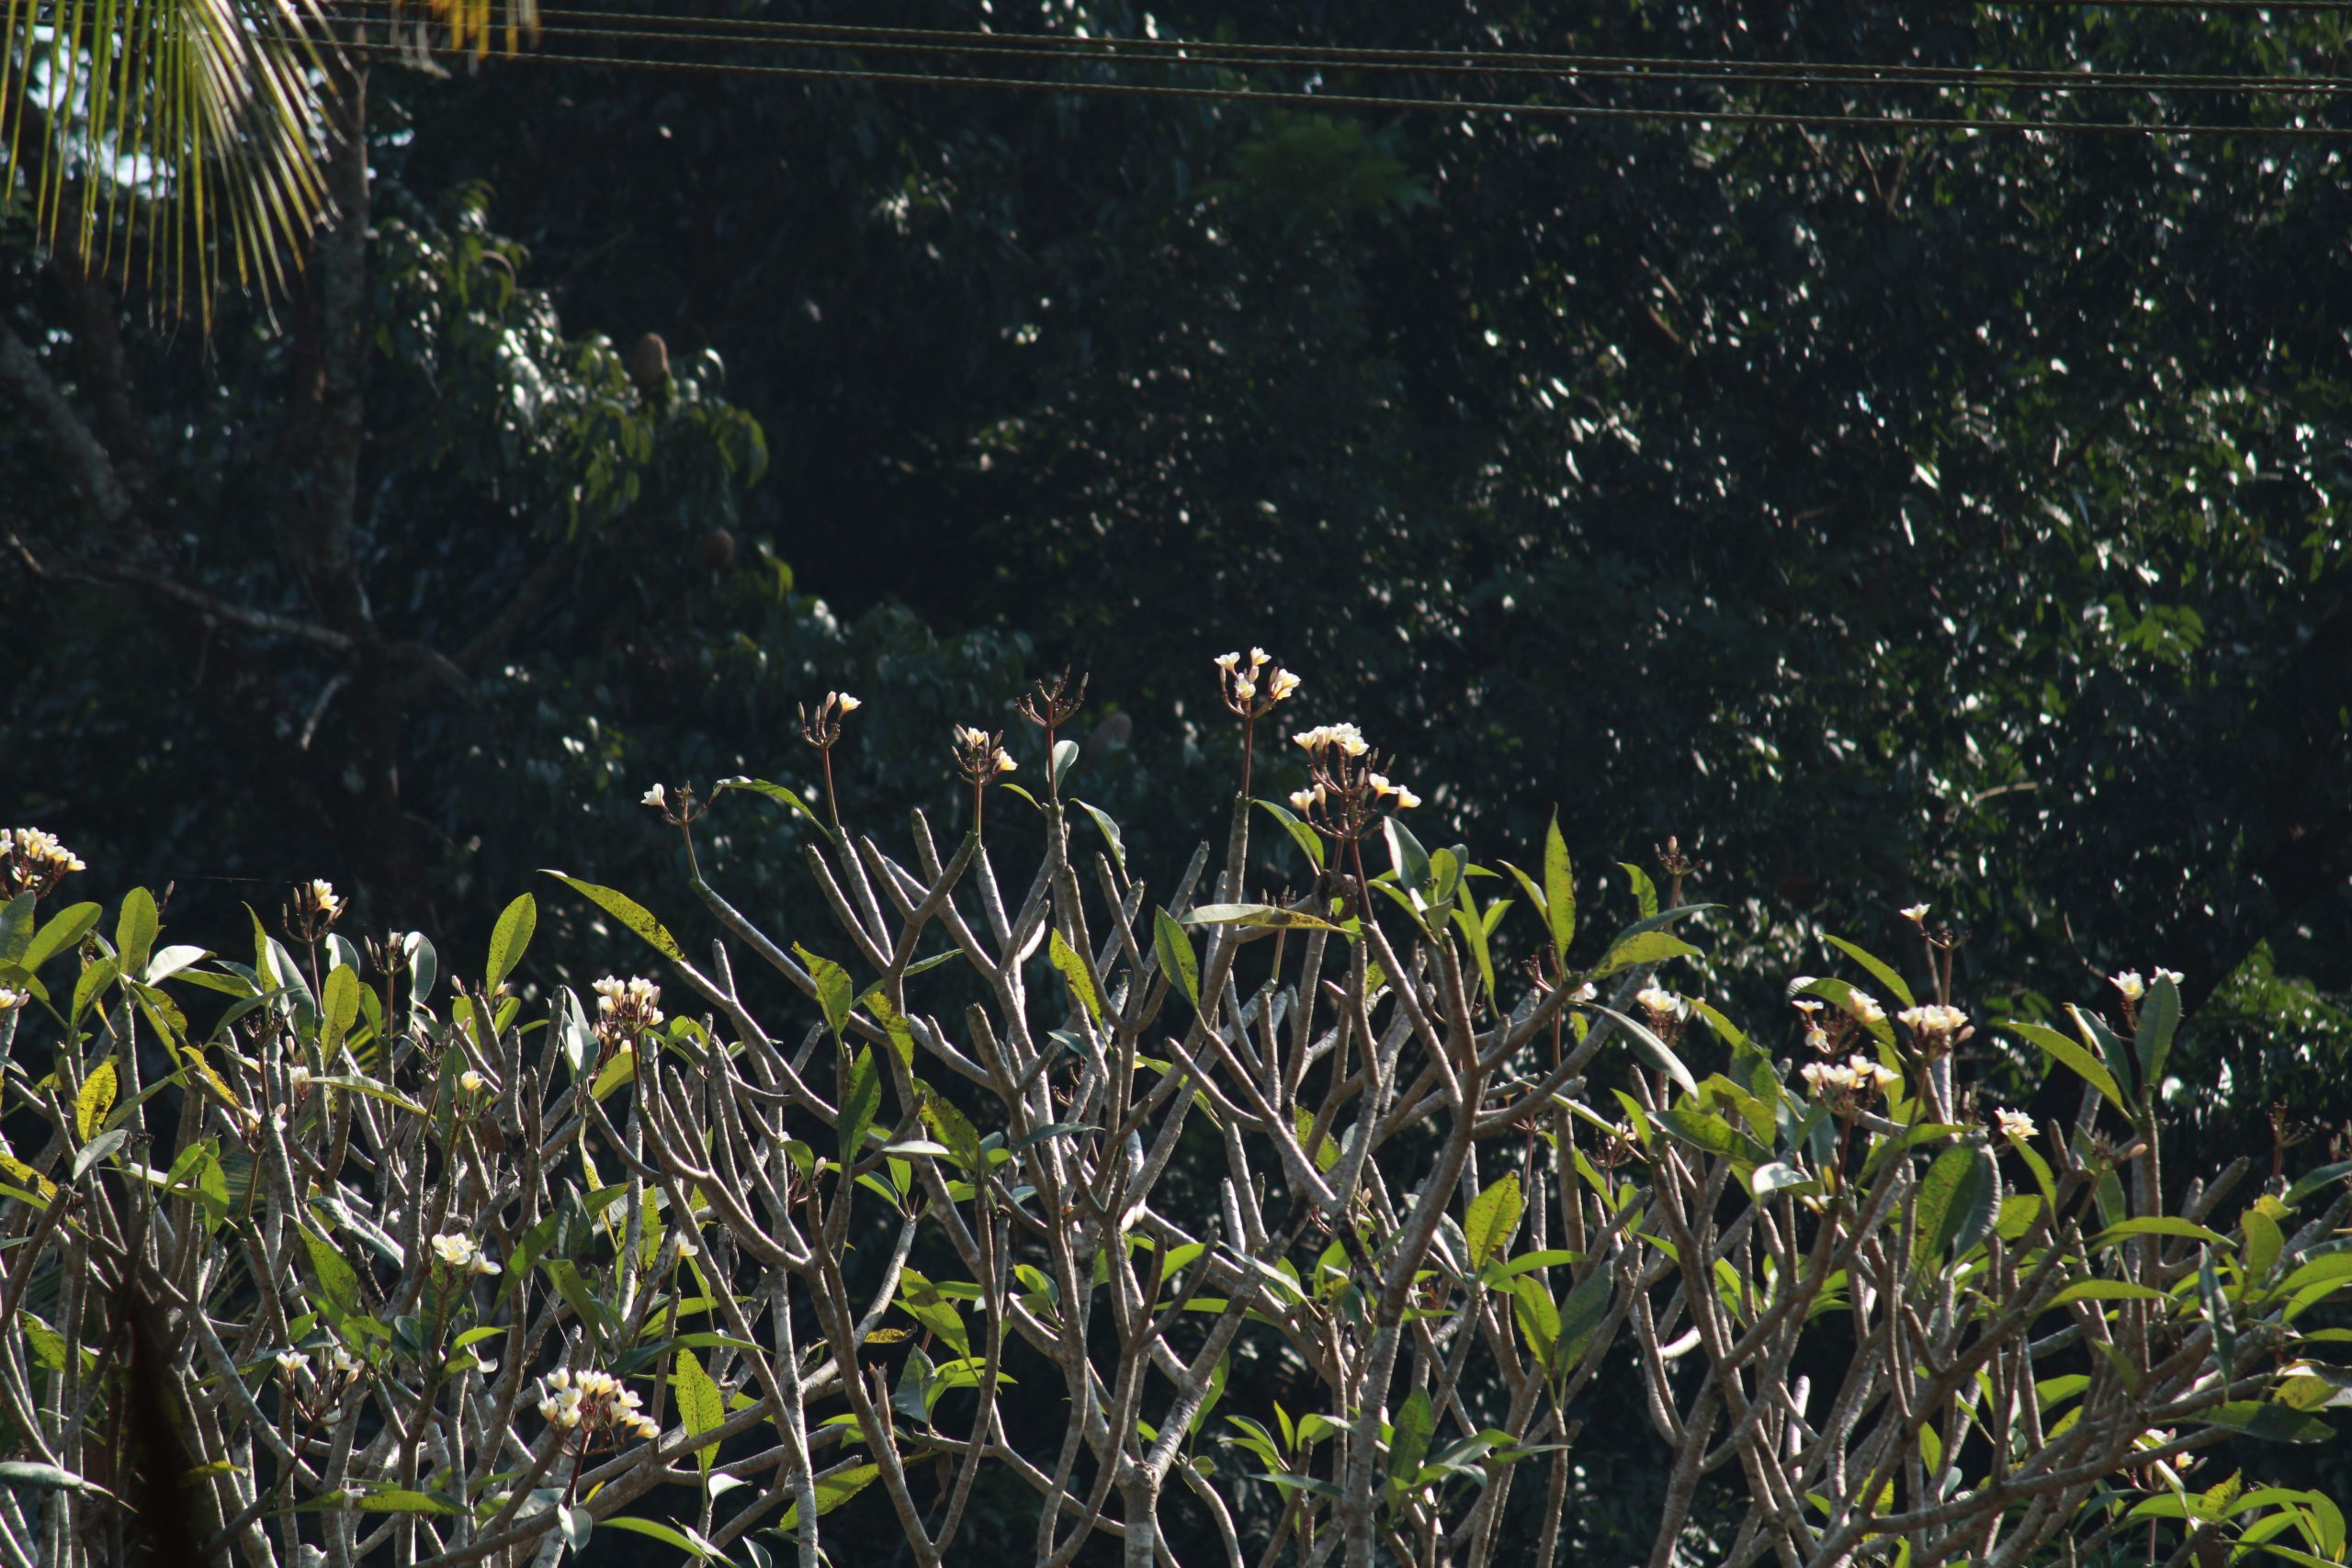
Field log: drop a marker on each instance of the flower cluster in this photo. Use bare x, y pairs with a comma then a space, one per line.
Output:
1346, 791
1252, 691
1864, 1007
1936, 1028
980, 757
625, 1009
589, 1402
822, 728
307, 1372
462, 1255
1849, 1085
33, 862
2012, 1124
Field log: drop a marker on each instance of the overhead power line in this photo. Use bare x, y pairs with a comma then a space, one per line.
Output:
1664, 70
1402, 103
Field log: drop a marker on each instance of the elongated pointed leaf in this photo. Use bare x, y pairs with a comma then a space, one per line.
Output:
508, 939
1177, 961
1559, 890
629, 912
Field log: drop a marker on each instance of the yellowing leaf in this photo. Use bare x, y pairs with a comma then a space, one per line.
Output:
90, 1106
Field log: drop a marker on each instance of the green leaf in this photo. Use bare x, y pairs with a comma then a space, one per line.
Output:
1265, 916
2106, 1290
338, 1010
16, 928
1059, 765
1110, 832
1493, 1218
99, 1148
700, 1404
2268, 1423
1538, 1316
894, 1023
832, 1491
1406, 854
1882, 971
1781, 1177
2159, 1018
2312, 1181
1175, 948
1409, 1442
1642, 948
865, 1098
1559, 890
1073, 970
1651, 1049
1956, 1201
65, 928
1309, 842
629, 912
951, 1127
1581, 1314
835, 995
1644, 890
1473, 933
337, 1282
135, 930
1710, 1133
2076, 1057
95, 980
777, 793
2158, 1225
95, 1098
508, 939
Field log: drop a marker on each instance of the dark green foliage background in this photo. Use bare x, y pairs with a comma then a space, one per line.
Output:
1898, 515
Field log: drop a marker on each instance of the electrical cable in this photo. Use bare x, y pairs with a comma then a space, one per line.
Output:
1378, 102
1642, 69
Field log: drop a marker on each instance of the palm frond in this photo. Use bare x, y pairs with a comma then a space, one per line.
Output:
185, 140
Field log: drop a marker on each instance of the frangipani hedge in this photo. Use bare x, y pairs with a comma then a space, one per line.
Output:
327, 1251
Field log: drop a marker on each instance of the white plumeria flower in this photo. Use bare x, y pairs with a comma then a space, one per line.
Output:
1658, 1002
1865, 1007
2012, 1124
1280, 685
1228, 662
847, 703
471, 1081
2130, 984
297, 1078
292, 1363
658, 797
1916, 913
1304, 800
11, 1000
2172, 975
457, 1251
324, 898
